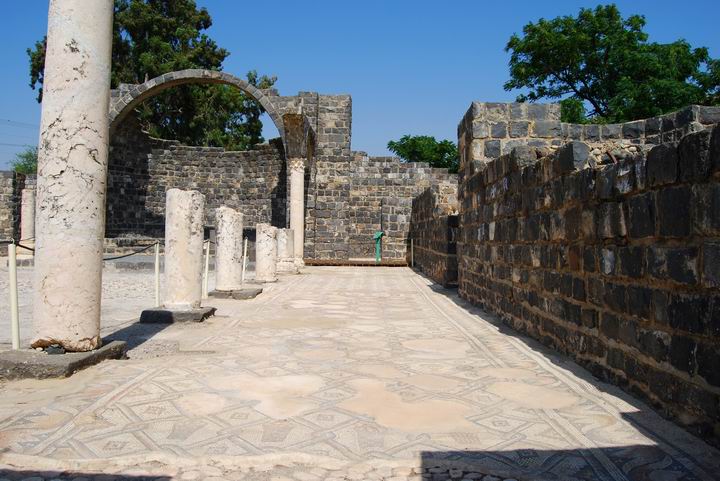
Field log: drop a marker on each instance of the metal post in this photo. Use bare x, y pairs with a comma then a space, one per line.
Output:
157, 274
412, 253
244, 263
207, 270
15, 318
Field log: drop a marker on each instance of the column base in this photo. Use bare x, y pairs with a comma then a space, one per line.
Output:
32, 364
170, 316
237, 294
287, 266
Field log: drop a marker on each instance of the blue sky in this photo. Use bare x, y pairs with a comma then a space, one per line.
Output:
412, 66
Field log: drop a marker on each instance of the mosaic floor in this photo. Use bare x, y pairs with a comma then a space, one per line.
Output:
351, 366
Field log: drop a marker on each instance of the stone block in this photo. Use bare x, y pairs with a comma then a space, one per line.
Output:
640, 301
707, 208
711, 264
611, 220
615, 297
32, 364
633, 130
674, 211
237, 294
673, 263
574, 155
654, 344
481, 129
168, 316
519, 129
690, 313
682, 353
662, 165
493, 149
498, 130
632, 261
610, 325
715, 149
708, 362
592, 133
547, 129
641, 213
611, 131
694, 157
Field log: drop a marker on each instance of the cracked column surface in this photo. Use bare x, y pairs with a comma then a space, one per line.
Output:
285, 251
72, 174
266, 253
297, 206
228, 259
27, 214
183, 249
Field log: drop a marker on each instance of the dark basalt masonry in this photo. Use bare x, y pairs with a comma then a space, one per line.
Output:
602, 242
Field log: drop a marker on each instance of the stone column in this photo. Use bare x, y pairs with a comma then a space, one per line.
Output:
228, 259
297, 206
27, 215
266, 253
183, 249
286, 251
72, 175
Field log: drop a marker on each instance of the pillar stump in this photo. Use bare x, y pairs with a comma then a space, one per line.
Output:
266, 253
285, 252
228, 259
184, 229
27, 222
72, 175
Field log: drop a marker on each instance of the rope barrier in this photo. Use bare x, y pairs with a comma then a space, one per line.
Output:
130, 254
24, 247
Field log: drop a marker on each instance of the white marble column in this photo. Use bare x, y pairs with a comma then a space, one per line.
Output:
27, 215
183, 249
285, 251
72, 174
297, 206
266, 253
228, 259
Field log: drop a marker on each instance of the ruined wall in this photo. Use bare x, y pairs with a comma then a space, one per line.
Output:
7, 205
141, 169
489, 130
434, 230
617, 265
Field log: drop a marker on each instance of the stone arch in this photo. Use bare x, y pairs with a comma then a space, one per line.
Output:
130, 96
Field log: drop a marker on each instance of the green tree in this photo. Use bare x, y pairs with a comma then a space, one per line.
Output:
604, 62
424, 148
25, 162
153, 37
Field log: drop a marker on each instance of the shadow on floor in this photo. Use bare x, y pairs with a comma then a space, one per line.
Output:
135, 334
18, 475
622, 463
667, 437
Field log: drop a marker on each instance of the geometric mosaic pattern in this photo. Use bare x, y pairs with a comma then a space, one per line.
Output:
355, 364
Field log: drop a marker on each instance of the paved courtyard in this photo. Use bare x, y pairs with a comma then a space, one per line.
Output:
345, 373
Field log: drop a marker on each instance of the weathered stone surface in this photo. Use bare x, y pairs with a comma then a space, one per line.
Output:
286, 261
229, 251
27, 215
72, 164
170, 316
183, 249
238, 294
266, 253
32, 364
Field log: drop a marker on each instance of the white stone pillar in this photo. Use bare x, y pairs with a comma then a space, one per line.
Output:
286, 251
72, 175
266, 253
183, 249
228, 259
297, 206
27, 215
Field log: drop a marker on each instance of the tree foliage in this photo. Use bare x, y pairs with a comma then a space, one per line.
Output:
424, 148
153, 37
25, 162
605, 62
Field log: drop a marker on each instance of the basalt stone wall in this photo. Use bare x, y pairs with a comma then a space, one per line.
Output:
7, 205
616, 265
434, 230
489, 130
142, 169
380, 198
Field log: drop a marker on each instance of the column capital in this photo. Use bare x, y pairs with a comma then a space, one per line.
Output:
296, 163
